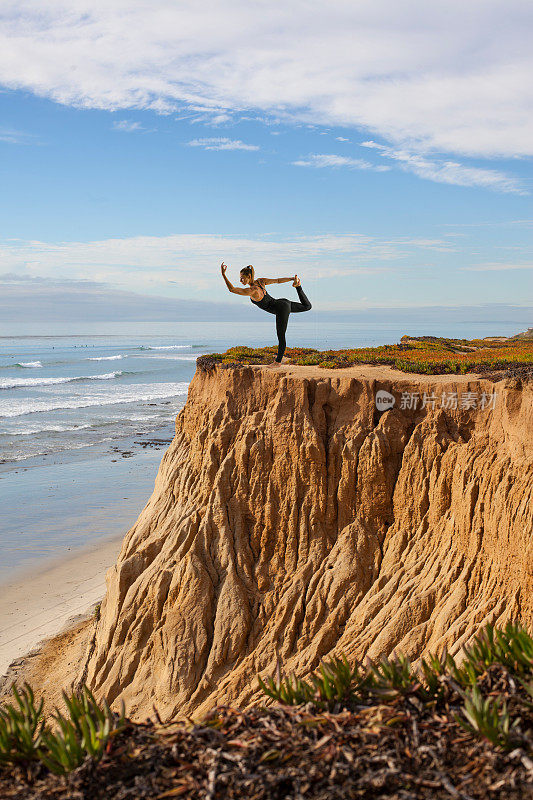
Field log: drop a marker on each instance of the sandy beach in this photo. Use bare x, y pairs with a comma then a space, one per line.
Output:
38, 605
63, 522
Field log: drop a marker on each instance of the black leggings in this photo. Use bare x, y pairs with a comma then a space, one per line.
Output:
283, 309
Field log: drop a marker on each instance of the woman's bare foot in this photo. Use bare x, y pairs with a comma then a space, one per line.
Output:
296, 281
273, 365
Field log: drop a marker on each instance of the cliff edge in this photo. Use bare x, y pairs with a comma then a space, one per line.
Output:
291, 515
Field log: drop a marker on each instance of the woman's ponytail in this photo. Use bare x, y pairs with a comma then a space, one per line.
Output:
249, 270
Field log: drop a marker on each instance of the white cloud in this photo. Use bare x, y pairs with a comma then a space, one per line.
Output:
221, 143
341, 139
496, 267
449, 171
526, 223
127, 125
452, 77
11, 136
219, 119
210, 115
320, 160
192, 262
25, 303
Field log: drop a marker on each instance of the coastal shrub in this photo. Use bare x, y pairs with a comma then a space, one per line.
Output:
432, 672
488, 717
240, 351
425, 354
310, 360
437, 679
389, 677
82, 732
21, 727
208, 362
511, 647
335, 682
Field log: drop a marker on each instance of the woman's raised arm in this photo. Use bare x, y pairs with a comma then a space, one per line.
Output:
233, 289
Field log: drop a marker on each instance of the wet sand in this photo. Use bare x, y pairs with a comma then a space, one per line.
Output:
62, 523
40, 605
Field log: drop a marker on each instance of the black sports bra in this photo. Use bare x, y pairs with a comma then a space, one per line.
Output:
264, 290
267, 302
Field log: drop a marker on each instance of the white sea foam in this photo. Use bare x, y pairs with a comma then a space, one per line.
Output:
173, 358
137, 418
15, 383
105, 358
32, 429
30, 364
166, 347
132, 393
43, 452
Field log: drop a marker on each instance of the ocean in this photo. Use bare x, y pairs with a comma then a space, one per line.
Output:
67, 393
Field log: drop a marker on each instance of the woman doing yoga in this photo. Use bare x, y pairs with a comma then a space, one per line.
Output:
255, 290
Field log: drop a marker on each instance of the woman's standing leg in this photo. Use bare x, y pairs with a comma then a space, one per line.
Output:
282, 318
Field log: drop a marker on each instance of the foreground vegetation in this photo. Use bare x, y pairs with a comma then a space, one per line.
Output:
384, 729
434, 683
424, 354
83, 731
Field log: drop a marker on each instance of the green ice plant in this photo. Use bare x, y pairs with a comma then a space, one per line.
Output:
488, 717
21, 727
390, 677
83, 732
512, 647
432, 672
335, 682
289, 690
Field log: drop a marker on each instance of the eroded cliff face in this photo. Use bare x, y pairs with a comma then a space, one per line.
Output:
290, 516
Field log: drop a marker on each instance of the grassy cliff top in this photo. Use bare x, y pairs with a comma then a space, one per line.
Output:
424, 354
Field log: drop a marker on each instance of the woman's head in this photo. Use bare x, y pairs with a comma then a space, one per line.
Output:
247, 275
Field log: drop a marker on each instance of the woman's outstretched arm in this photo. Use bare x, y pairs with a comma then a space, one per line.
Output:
277, 280
231, 287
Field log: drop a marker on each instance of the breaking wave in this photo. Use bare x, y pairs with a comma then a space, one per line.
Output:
16, 383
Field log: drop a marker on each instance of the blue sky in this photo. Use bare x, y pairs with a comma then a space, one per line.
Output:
385, 157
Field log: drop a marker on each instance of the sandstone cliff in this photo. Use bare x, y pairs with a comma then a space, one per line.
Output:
290, 516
